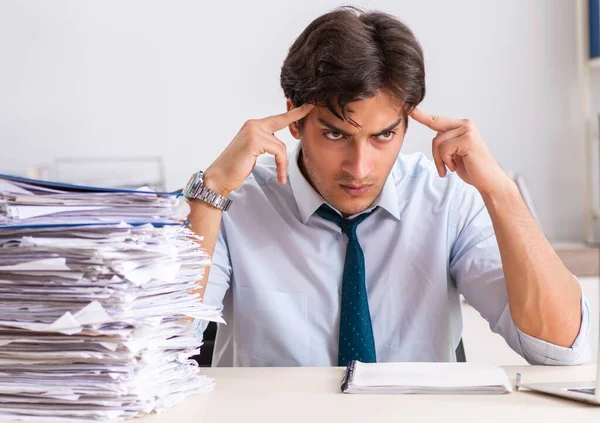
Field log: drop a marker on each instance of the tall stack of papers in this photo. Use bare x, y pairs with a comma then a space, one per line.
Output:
94, 293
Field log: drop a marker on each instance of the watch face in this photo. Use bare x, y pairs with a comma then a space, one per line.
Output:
187, 185
191, 184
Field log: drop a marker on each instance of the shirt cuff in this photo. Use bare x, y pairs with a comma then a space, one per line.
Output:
537, 351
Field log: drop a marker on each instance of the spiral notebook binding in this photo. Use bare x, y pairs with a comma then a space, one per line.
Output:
349, 376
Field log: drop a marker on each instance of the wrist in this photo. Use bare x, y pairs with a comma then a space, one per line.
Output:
211, 181
211, 193
504, 190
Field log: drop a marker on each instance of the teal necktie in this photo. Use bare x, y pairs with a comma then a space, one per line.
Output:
356, 340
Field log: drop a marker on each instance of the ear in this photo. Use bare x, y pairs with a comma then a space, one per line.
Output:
293, 127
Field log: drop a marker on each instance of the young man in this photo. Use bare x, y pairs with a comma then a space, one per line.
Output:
346, 249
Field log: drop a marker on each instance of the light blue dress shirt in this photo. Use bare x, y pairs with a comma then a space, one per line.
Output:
277, 270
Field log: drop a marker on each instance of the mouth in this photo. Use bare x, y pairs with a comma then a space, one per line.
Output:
356, 190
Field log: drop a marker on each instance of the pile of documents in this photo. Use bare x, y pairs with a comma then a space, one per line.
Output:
96, 310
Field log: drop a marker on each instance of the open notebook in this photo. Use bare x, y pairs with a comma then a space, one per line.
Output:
424, 378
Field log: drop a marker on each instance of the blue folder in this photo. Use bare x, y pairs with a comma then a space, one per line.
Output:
85, 188
80, 188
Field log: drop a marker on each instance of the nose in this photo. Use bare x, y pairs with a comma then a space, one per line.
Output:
358, 163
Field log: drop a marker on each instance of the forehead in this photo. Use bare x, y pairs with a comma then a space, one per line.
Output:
371, 115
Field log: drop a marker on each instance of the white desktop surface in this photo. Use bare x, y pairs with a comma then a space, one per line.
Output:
310, 395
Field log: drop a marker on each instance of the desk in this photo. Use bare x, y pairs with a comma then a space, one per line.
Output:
310, 395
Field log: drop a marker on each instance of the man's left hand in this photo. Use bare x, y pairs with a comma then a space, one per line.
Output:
459, 146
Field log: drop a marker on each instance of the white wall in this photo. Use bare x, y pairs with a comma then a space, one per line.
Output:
178, 78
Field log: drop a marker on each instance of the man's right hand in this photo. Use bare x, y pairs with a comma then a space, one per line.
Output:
232, 167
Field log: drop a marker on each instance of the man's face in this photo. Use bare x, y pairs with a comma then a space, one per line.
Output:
349, 165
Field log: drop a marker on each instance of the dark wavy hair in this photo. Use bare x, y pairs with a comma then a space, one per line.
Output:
348, 54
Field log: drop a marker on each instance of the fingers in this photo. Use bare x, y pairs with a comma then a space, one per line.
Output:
447, 153
437, 159
438, 140
275, 123
260, 139
280, 160
451, 134
437, 123
272, 145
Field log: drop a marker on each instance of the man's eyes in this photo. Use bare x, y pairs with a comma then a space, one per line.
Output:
336, 136
386, 136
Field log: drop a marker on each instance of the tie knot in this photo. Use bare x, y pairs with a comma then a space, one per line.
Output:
348, 226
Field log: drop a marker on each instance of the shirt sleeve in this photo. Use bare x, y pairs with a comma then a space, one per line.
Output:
219, 278
476, 266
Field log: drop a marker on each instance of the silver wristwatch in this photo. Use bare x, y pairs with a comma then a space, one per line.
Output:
195, 190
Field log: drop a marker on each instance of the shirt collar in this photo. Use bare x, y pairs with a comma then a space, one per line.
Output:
308, 200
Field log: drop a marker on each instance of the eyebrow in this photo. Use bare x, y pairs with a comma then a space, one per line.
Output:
334, 128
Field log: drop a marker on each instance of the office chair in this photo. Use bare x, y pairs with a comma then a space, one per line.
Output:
204, 359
